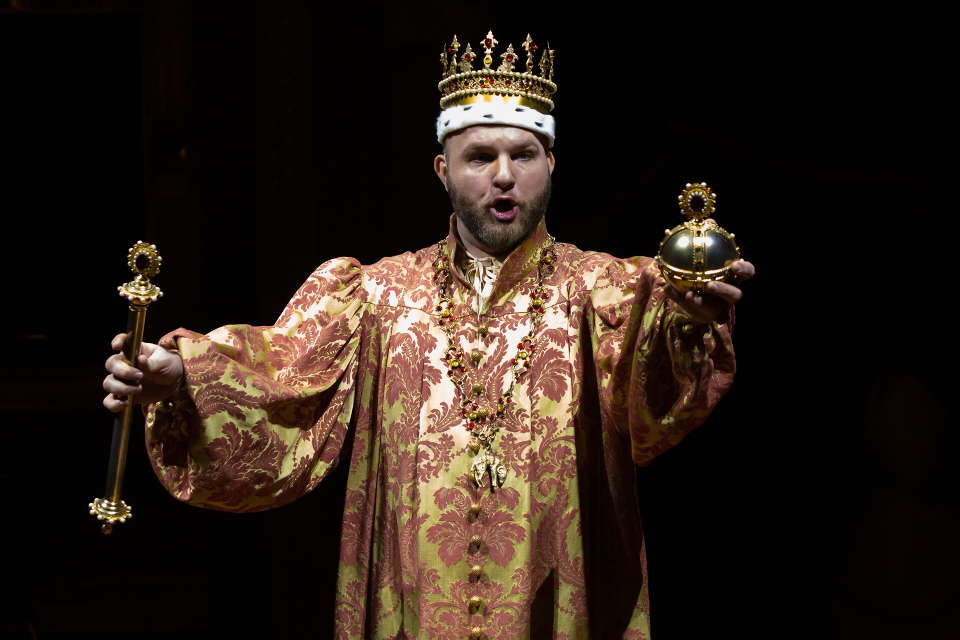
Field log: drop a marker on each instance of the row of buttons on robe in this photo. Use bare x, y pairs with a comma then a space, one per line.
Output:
475, 605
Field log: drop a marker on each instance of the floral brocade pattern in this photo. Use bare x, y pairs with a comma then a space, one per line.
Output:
356, 358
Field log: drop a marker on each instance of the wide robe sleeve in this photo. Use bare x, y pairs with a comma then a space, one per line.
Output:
659, 372
264, 411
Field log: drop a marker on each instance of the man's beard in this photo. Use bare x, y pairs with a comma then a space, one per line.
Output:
498, 237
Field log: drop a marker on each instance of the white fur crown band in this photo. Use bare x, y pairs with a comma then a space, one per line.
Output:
459, 117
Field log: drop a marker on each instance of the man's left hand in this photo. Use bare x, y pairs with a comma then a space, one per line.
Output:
718, 296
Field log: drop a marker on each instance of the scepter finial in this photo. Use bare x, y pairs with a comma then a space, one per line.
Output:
144, 261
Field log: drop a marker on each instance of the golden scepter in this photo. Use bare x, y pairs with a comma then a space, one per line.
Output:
144, 261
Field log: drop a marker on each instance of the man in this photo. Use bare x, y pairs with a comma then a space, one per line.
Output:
493, 389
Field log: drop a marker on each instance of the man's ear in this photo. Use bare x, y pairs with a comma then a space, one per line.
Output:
551, 161
440, 168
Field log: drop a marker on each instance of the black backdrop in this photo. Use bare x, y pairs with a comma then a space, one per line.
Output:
251, 141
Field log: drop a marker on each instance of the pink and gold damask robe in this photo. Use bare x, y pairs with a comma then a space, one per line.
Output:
620, 376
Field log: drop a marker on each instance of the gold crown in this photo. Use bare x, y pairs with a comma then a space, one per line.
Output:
486, 85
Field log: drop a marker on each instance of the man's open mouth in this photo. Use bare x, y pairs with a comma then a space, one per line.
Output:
504, 209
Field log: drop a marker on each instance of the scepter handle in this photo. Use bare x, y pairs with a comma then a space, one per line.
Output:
144, 261
121, 424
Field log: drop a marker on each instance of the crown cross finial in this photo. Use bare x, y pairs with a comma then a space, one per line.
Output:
546, 63
449, 58
531, 49
509, 58
488, 44
466, 60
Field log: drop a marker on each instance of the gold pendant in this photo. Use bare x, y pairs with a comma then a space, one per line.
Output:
484, 465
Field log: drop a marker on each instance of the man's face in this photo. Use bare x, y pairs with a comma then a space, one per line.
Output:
498, 178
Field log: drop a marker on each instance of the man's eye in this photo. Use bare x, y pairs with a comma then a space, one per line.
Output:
482, 157
524, 155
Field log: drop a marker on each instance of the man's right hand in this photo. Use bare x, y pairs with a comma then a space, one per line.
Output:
155, 377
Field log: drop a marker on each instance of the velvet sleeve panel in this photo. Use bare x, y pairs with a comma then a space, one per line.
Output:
264, 411
660, 373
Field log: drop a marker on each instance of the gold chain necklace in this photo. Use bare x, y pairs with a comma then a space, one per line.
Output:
482, 421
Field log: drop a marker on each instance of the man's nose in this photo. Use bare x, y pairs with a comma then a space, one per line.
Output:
503, 178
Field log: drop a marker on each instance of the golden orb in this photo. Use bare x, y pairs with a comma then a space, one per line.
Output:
697, 251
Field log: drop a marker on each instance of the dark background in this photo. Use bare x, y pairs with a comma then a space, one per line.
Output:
251, 141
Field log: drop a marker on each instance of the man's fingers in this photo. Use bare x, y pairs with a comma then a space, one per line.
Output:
120, 388
114, 404
743, 270
724, 291
693, 298
147, 348
118, 367
151, 358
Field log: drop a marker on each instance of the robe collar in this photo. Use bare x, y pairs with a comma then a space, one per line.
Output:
520, 264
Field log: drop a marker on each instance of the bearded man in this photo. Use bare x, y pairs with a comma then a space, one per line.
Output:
493, 389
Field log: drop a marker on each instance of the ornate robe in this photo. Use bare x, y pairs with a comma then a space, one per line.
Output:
355, 364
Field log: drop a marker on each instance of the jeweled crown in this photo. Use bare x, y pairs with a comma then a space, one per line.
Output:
461, 84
